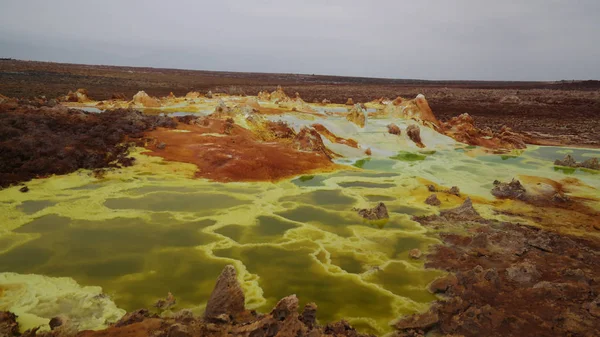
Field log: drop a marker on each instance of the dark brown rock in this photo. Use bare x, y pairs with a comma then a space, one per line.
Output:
179, 330
443, 284
134, 317
394, 129
309, 315
377, 213
541, 243
166, 303
8, 324
433, 200
414, 133
227, 297
424, 321
511, 190
415, 253
524, 272
454, 190
594, 307
464, 212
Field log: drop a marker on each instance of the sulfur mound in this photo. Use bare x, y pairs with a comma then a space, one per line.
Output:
79, 96
141, 99
511, 190
357, 115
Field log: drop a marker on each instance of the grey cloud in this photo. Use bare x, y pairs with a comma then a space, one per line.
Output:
431, 39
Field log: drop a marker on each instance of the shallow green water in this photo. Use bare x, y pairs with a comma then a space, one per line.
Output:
142, 233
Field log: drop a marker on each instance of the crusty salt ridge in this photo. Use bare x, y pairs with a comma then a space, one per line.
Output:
35, 299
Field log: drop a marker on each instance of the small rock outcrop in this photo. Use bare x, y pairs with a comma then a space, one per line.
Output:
423, 322
512, 190
569, 161
144, 100
357, 116
464, 212
394, 129
8, 324
227, 298
415, 253
166, 303
263, 96
278, 95
433, 200
79, 96
350, 101
462, 128
378, 212
454, 190
118, 96
192, 95
414, 133
308, 139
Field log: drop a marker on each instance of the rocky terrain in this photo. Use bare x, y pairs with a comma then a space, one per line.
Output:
540, 277
550, 112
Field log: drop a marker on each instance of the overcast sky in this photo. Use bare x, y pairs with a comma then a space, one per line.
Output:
427, 39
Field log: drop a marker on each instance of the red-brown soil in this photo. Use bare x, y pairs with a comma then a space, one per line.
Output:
551, 112
510, 280
224, 151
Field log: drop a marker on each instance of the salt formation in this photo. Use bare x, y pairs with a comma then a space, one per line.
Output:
511, 190
357, 116
79, 96
192, 95
308, 139
569, 161
462, 128
35, 299
417, 109
143, 100
285, 102
222, 110
264, 96
278, 95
